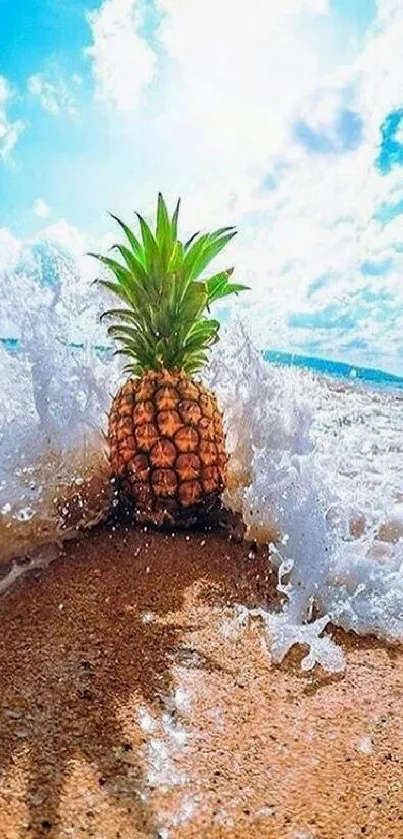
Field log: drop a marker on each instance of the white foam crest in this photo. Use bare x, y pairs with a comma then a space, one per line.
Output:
47, 304
315, 470
53, 398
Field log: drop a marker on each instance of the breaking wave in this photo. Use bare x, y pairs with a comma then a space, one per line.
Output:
316, 465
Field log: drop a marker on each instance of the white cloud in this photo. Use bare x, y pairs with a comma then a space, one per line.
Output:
123, 63
244, 83
55, 96
242, 69
40, 208
65, 235
9, 131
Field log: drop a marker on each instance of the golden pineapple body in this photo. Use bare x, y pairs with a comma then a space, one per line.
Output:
167, 447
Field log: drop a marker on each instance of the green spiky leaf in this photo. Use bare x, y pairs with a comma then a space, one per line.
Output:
133, 241
211, 250
233, 288
151, 253
164, 237
174, 222
134, 266
163, 322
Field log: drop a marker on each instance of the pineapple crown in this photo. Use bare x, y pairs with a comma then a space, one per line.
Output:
164, 324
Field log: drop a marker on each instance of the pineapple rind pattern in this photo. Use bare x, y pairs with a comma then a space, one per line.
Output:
167, 447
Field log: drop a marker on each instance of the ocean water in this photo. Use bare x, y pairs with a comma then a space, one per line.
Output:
316, 462
336, 369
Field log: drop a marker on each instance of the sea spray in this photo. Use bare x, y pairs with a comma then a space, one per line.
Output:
53, 403
321, 466
270, 445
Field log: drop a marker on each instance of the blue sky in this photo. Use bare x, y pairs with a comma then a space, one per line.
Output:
287, 121
59, 153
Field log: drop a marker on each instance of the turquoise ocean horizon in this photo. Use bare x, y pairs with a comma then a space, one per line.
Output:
322, 366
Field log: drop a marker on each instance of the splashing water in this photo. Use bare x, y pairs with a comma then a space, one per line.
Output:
280, 490
316, 466
319, 469
53, 400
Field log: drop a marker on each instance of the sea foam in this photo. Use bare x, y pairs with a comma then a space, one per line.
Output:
320, 466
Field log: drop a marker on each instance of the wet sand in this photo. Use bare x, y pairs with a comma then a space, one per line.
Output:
132, 706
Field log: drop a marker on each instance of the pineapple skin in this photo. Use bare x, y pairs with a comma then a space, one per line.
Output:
166, 447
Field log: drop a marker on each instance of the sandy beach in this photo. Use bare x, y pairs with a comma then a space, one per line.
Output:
132, 705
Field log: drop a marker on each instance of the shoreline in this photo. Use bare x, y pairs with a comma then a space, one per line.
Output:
133, 705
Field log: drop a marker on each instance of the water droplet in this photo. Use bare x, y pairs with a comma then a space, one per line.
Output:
365, 745
25, 514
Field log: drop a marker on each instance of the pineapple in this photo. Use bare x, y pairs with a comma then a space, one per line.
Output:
166, 441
